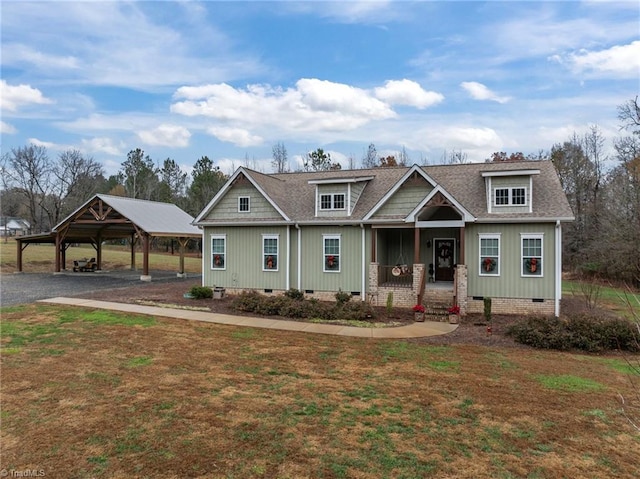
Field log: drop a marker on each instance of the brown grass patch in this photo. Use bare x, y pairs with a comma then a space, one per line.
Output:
206, 400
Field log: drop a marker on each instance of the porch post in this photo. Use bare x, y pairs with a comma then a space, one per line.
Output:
461, 247
133, 251
416, 246
374, 236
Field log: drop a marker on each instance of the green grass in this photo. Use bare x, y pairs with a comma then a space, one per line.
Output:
106, 317
568, 383
625, 302
138, 362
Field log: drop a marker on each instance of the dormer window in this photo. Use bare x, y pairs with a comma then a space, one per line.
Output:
510, 196
333, 201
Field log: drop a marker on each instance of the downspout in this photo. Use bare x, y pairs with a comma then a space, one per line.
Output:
558, 292
363, 294
299, 257
288, 274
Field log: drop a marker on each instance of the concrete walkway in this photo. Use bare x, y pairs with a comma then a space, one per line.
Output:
415, 330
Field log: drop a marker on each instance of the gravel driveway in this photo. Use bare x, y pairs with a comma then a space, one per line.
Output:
30, 287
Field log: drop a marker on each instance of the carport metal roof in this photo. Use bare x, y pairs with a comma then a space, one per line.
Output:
105, 217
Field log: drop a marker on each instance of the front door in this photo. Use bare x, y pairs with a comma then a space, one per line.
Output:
444, 258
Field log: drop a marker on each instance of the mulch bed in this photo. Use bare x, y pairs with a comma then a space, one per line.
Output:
472, 329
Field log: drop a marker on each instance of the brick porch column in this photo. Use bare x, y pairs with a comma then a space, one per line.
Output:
461, 288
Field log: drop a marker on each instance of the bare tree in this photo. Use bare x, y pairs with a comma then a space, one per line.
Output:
403, 157
280, 161
370, 158
76, 178
629, 115
454, 157
28, 170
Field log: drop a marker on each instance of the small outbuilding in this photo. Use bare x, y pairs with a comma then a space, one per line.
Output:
106, 217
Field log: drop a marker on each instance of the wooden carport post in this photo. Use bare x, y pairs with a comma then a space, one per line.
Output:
58, 253
19, 255
145, 257
133, 251
183, 244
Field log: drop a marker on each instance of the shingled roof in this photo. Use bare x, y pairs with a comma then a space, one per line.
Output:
294, 195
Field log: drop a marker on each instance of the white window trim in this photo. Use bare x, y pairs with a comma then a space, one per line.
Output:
539, 236
277, 254
248, 198
482, 236
333, 201
324, 255
510, 196
224, 253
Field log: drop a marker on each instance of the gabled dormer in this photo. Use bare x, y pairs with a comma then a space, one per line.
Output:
509, 191
337, 197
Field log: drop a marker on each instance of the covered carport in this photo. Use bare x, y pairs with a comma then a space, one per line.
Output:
106, 217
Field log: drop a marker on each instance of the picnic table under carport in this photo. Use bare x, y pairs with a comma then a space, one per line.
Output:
106, 217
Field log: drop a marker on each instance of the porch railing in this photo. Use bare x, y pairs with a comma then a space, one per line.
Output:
400, 276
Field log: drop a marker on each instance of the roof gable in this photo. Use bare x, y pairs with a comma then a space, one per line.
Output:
261, 182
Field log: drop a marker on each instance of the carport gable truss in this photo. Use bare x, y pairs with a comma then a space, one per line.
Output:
106, 217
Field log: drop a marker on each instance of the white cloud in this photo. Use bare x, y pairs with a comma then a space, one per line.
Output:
49, 144
311, 107
174, 136
103, 145
407, 92
478, 91
619, 61
237, 136
7, 129
13, 97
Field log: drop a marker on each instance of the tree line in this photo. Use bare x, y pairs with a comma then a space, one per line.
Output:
603, 192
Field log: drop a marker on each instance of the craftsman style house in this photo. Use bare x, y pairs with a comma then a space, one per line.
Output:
458, 232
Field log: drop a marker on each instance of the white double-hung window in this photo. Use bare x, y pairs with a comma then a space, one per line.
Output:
489, 255
218, 252
270, 252
532, 258
331, 253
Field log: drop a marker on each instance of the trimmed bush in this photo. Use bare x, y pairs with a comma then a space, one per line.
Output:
581, 331
294, 293
355, 310
342, 297
247, 301
272, 305
201, 292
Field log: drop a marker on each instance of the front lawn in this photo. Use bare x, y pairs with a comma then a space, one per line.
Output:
94, 394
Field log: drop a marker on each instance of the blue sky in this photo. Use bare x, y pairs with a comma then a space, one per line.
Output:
230, 79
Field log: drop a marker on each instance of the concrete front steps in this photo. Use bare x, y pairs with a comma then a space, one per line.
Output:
437, 299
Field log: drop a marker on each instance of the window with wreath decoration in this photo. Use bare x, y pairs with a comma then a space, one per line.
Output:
489, 255
218, 251
532, 255
331, 256
270, 253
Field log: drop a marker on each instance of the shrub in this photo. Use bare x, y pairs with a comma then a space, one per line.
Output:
342, 297
294, 293
487, 309
355, 310
298, 309
390, 302
272, 305
247, 301
201, 292
582, 331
